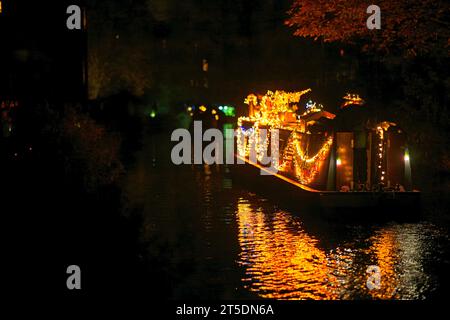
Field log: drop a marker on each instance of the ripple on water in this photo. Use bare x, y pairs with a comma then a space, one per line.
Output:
283, 261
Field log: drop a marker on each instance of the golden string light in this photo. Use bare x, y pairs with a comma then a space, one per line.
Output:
307, 168
272, 104
381, 128
271, 109
352, 99
380, 133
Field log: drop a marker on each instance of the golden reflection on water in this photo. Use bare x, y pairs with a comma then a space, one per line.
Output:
282, 261
384, 245
399, 253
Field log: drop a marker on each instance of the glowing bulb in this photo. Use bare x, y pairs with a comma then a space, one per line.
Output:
406, 157
338, 162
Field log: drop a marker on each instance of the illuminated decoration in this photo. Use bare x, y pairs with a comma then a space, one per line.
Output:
276, 110
251, 138
228, 111
242, 134
1, 7
152, 114
303, 151
381, 128
312, 107
380, 153
273, 107
251, 99
306, 167
352, 99
310, 104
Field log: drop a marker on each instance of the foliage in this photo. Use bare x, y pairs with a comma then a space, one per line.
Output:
407, 27
93, 153
118, 57
423, 112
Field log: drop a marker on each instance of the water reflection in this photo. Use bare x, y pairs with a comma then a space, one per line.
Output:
401, 253
283, 261
215, 240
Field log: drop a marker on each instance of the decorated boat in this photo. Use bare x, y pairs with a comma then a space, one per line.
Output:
334, 160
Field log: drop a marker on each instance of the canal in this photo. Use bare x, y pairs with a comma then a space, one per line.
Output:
215, 239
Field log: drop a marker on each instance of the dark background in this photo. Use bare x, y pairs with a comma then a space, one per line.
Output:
58, 207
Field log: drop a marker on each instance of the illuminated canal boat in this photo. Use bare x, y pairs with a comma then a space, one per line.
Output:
333, 160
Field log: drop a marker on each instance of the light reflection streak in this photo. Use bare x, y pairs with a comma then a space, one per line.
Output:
400, 253
280, 264
282, 261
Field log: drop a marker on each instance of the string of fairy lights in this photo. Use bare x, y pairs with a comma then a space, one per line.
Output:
380, 153
275, 112
307, 168
295, 160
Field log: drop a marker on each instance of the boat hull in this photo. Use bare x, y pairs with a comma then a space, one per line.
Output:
287, 192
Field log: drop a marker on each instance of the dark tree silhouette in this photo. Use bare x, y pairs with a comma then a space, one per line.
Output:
119, 56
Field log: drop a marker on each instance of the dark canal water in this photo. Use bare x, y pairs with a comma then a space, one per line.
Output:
218, 240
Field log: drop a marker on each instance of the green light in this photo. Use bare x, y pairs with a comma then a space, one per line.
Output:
229, 111
152, 114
